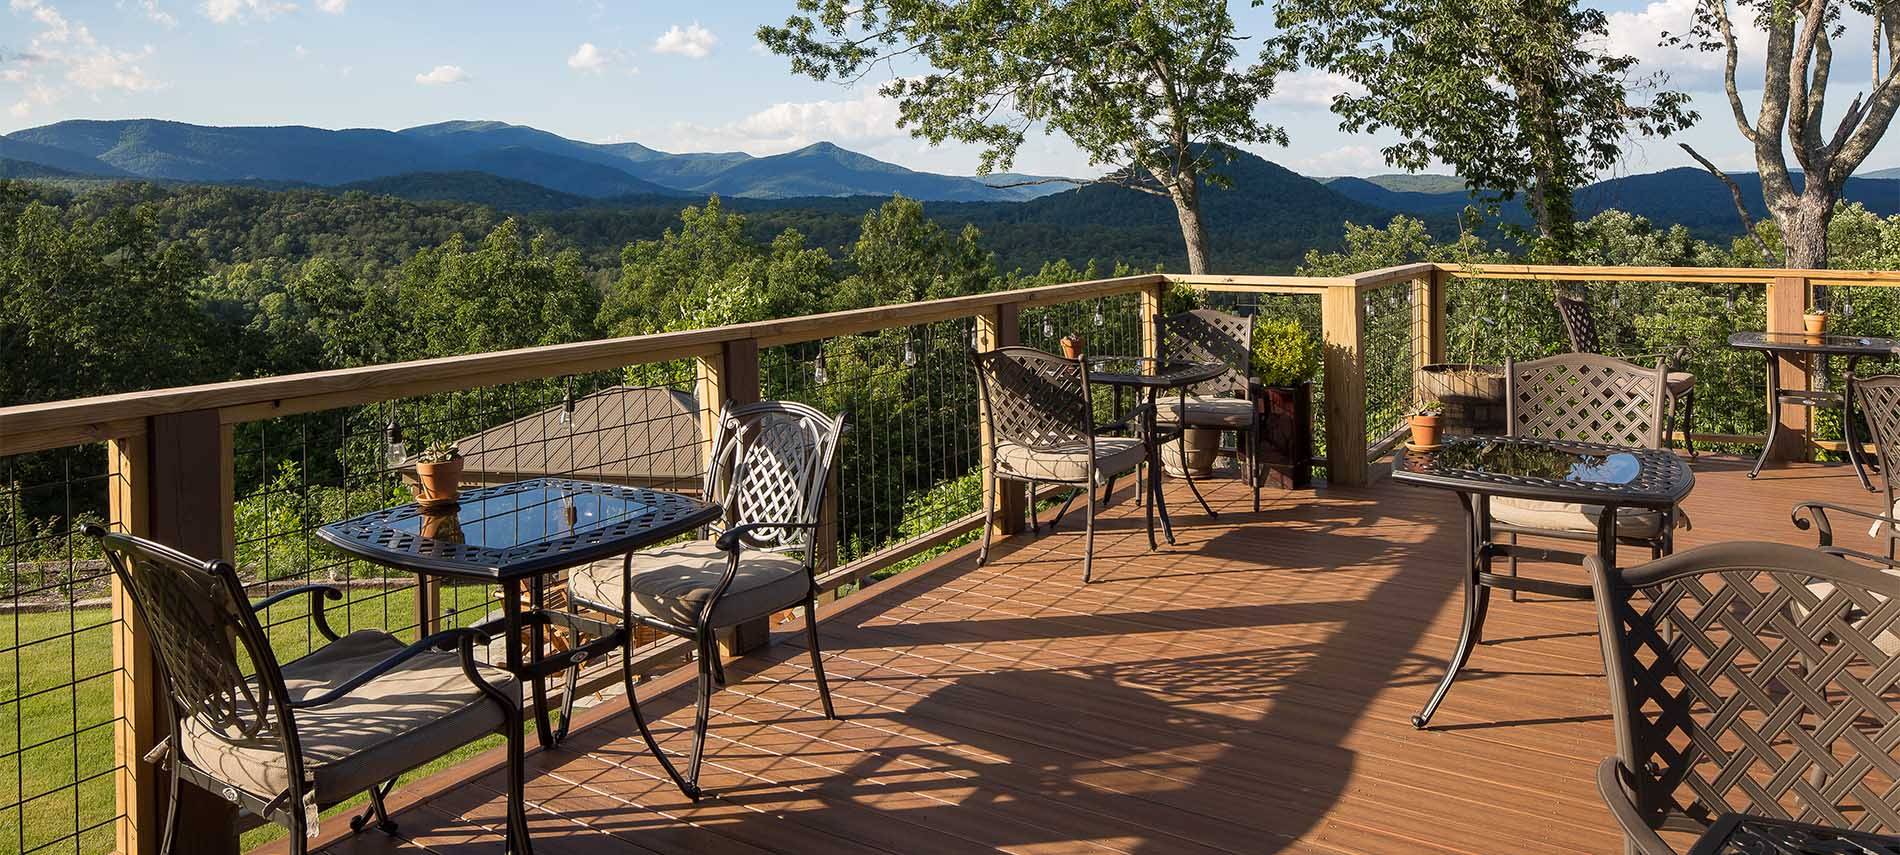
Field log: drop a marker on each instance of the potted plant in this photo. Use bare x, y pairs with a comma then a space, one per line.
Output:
1815, 320
1072, 346
439, 473
1286, 358
1424, 423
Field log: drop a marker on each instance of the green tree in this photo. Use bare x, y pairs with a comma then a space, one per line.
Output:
1514, 95
1152, 89
902, 255
505, 293
707, 272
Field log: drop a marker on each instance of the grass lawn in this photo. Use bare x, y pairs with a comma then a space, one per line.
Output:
56, 716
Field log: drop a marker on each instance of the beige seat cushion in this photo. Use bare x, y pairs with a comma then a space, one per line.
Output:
1204, 411
1887, 642
1568, 516
1113, 455
1679, 382
1873, 531
423, 709
672, 584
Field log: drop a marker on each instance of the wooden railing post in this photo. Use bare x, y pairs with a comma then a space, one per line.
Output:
730, 376
1000, 327
1151, 296
1787, 300
174, 485
1342, 321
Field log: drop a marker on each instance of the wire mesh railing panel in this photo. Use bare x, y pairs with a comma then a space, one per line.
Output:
908, 462
57, 763
1277, 315
1858, 311
1109, 326
1394, 336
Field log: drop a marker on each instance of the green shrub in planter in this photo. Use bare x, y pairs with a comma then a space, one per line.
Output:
1284, 353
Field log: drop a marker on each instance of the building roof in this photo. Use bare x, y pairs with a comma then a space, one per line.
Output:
624, 434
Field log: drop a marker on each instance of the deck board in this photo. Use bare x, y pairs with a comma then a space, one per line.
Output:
1245, 691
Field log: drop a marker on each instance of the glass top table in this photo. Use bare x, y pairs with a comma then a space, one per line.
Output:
1776, 346
514, 535
1599, 481
1149, 377
1743, 834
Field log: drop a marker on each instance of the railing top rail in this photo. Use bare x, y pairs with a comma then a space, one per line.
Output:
1704, 275
1266, 284
52, 424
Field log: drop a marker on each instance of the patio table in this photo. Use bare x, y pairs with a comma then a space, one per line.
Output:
1148, 378
1776, 345
1746, 834
1479, 468
515, 535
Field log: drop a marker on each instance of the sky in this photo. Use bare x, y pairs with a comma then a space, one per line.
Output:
674, 76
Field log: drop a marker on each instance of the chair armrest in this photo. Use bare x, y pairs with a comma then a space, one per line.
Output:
463, 638
1825, 530
317, 594
1610, 786
730, 539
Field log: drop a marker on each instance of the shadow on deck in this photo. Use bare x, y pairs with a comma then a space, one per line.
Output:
1246, 691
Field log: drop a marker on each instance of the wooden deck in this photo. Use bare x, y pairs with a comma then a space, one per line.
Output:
1246, 691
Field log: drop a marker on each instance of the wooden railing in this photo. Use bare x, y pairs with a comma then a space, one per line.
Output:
170, 452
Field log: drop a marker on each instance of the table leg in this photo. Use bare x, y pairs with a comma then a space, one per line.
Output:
1180, 422
1154, 473
511, 625
1477, 526
1774, 412
1847, 425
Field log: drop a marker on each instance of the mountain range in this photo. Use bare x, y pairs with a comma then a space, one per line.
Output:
297, 155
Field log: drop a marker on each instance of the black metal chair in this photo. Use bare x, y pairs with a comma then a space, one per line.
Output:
1878, 398
1739, 684
1042, 428
1584, 397
1233, 401
771, 462
1580, 323
282, 742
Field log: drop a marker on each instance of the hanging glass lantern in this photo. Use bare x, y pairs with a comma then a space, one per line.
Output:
1048, 328
910, 354
394, 452
1098, 316
818, 371
567, 409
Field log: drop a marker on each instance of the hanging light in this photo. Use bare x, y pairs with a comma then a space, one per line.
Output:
567, 408
1847, 309
1730, 299
910, 354
394, 452
1098, 316
818, 371
1048, 328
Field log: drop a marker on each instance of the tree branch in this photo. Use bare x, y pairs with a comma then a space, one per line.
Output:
1731, 60
1735, 191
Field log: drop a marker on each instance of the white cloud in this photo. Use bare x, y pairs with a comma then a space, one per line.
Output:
333, 7
1312, 88
442, 74
867, 119
155, 14
587, 58
226, 11
1343, 160
65, 56
694, 41
1638, 33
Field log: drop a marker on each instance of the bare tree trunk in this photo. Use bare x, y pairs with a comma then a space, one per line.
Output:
1804, 228
1187, 207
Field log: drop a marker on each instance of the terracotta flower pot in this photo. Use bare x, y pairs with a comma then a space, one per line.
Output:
439, 482
1815, 322
1072, 345
1425, 429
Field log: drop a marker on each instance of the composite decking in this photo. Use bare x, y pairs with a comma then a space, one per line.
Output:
1246, 691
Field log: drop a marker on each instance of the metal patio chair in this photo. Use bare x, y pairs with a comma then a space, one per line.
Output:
1584, 397
283, 741
771, 462
1233, 401
1580, 323
1042, 428
1879, 400
1738, 686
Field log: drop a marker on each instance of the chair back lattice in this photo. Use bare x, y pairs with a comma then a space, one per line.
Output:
771, 462
1755, 678
1207, 335
1878, 398
1585, 397
1579, 322
1034, 399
